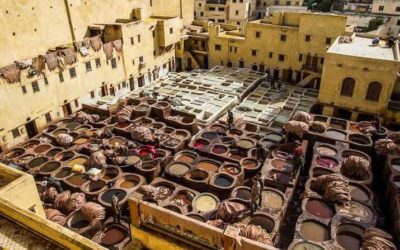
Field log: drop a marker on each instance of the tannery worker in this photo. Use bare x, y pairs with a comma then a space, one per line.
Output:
116, 208
230, 119
52, 182
297, 159
256, 192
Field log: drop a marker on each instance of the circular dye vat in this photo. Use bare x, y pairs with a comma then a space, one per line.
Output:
231, 169
235, 132
359, 139
186, 158
335, 134
349, 236
80, 140
326, 162
80, 160
278, 164
263, 221
37, 162
73, 125
358, 193
273, 200
200, 143
314, 231
50, 167
60, 131
243, 193
319, 209
174, 209
31, 144
164, 190
198, 175
110, 174
217, 128
249, 163
169, 130
41, 149
142, 107
113, 235
15, 153
321, 171
357, 211
219, 149
77, 179
117, 141
132, 160
128, 184
227, 140
223, 181
64, 172
107, 196
187, 120
95, 186
78, 221
274, 137
328, 151
205, 203
209, 135
306, 246
237, 155
281, 154
24, 159
183, 198
208, 165
245, 143
53, 152
64, 156
178, 169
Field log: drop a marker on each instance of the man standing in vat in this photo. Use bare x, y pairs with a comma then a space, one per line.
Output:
297, 159
116, 209
256, 192
230, 119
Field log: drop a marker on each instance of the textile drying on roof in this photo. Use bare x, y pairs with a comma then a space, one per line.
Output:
117, 44
51, 60
69, 55
108, 50
11, 73
96, 43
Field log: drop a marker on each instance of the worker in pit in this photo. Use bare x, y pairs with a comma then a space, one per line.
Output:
256, 192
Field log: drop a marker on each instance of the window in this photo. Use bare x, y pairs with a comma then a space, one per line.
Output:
113, 63
194, 14
297, 3
221, 20
397, 9
124, 85
348, 85
46, 81
234, 1
154, 53
35, 87
254, 52
23, 89
221, 9
233, 49
199, 4
258, 34
374, 91
229, 64
88, 66
171, 30
48, 117
212, 8
138, 38
98, 63
398, 22
381, 8
307, 38
92, 94
15, 133
217, 47
237, 13
328, 40
254, 67
72, 72
133, 61
61, 76
322, 60
141, 59
211, 20
281, 57
287, 2
283, 38
270, 54
151, 3
76, 103
300, 57
132, 40
241, 64
202, 13
154, 33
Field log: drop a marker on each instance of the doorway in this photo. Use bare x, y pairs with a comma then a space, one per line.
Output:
104, 90
112, 91
31, 129
67, 109
141, 81
131, 84
342, 113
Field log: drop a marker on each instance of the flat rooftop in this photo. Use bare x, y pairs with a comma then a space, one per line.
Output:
362, 47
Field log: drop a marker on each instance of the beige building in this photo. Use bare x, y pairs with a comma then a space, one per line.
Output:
360, 80
57, 70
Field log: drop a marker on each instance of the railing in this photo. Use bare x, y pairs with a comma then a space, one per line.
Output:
311, 68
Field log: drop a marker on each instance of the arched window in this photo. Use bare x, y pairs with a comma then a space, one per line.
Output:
374, 91
348, 85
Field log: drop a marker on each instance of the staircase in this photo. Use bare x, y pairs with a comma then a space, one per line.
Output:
312, 75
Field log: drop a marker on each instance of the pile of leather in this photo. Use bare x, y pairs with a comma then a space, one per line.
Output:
296, 127
387, 146
125, 113
367, 128
394, 136
333, 188
142, 134
317, 126
230, 211
97, 160
83, 117
302, 116
254, 232
93, 211
56, 216
356, 166
376, 239
64, 140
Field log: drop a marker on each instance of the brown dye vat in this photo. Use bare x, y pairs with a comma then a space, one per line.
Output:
37, 162
107, 196
209, 135
357, 211
95, 186
77, 179
158, 125
219, 149
132, 160
243, 193
165, 190
359, 139
187, 120
337, 125
349, 236
315, 231
122, 124
113, 235
208, 165
319, 209
227, 140
335, 134
64, 156
186, 158
53, 152
217, 128
236, 155
306, 246
245, 143
178, 169
249, 163
60, 131
41, 149
278, 164
222, 180
64, 172
50, 167
234, 132
198, 175
128, 184
15, 153
273, 200
117, 141
181, 135
73, 125
80, 140
358, 193
263, 221
110, 174
31, 144
205, 203
80, 160
169, 130
325, 150
183, 198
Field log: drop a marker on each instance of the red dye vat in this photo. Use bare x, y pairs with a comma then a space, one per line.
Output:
326, 162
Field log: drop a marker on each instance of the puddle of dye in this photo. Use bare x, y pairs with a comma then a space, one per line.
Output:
349, 240
278, 164
319, 209
77, 161
314, 231
128, 184
243, 143
112, 236
178, 169
42, 148
273, 200
326, 151
107, 196
223, 181
326, 162
358, 194
306, 246
209, 166
185, 158
335, 135
50, 167
205, 203
219, 150
244, 194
